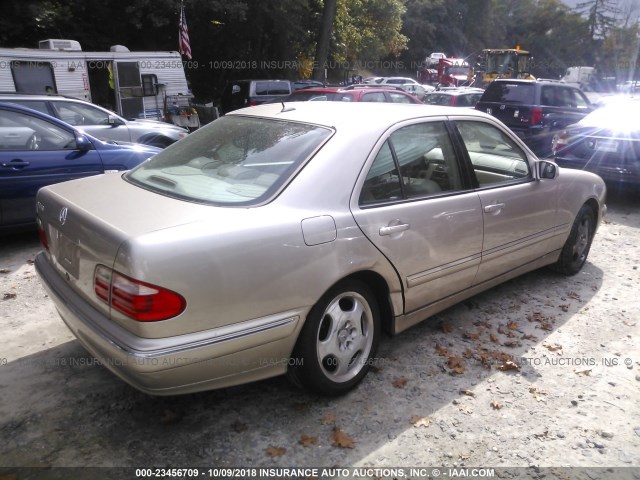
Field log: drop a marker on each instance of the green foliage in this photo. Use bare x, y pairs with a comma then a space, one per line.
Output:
277, 39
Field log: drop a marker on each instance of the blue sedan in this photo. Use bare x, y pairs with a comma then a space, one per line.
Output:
38, 150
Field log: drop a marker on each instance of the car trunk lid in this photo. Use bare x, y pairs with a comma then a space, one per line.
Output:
85, 228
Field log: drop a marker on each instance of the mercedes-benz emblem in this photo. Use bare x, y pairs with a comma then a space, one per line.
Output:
63, 215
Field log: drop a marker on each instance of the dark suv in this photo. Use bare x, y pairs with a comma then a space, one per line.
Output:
246, 93
536, 110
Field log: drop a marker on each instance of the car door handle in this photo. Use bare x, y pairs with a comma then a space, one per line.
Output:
16, 164
494, 208
394, 229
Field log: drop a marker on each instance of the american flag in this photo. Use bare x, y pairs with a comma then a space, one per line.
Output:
185, 45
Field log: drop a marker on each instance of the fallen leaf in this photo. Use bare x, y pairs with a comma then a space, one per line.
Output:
544, 434
513, 325
493, 338
573, 295
471, 336
306, 440
440, 350
584, 373
468, 393
530, 337
495, 405
421, 421
546, 326
536, 317
511, 344
465, 409
275, 451
552, 348
328, 419
456, 364
341, 439
9, 295
399, 382
508, 366
445, 327
537, 394
468, 353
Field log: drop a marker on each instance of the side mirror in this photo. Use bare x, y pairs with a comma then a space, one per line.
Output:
82, 143
114, 121
546, 170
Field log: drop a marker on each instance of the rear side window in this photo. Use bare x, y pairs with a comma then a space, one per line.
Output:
416, 161
40, 106
504, 92
233, 161
272, 88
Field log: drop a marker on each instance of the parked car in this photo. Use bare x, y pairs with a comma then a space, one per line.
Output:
354, 93
298, 84
100, 122
606, 142
457, 97
248, 93
286, 239
409, 85
38, 150
536, 110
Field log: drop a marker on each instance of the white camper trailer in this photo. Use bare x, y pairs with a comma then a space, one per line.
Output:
133, 84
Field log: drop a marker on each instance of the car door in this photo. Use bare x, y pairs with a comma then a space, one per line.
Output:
35, 152
519, 212
415, 206
92, 120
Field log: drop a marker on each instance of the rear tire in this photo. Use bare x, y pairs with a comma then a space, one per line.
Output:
576, 248
337, 343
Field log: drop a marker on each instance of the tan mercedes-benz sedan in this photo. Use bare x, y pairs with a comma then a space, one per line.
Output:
285, 238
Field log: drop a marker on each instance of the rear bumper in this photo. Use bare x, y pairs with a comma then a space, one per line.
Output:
215, 358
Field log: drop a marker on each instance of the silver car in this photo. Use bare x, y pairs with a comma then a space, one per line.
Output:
100, 122
285, 238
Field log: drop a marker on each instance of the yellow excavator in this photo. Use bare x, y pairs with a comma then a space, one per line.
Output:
502, 63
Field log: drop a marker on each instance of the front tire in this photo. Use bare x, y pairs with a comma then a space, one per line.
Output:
337, 343
576, 248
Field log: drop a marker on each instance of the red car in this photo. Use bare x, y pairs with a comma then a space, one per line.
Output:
353, 93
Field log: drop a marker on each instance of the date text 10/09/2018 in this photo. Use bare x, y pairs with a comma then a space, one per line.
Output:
321, 473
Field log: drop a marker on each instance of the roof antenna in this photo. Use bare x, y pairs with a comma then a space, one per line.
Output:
286, 109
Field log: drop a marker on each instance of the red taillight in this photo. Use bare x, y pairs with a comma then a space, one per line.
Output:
536, 116
44, 241
253, 103
560, 141
141, 301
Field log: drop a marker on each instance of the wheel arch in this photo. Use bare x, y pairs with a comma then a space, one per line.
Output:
380, 290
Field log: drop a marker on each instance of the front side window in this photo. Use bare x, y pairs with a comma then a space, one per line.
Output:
495, 157
24, 132
233, 161
416, 161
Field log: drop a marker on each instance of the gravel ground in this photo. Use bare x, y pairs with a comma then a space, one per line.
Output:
543, 371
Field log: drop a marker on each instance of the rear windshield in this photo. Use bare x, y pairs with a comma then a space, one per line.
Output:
504, 92
233, 161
